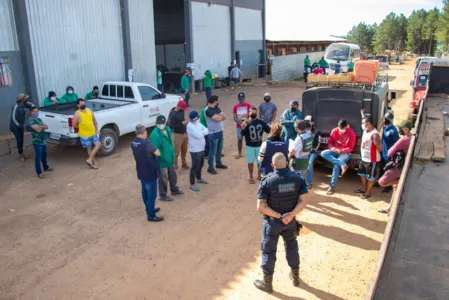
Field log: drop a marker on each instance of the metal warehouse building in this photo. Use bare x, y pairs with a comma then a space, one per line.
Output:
46, 45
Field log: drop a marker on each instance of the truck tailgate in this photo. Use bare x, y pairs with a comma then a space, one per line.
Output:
58, 125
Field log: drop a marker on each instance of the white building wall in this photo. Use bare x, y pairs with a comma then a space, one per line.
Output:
76, 43
290, 67
248, 24
8, 35
211, 27
142, 41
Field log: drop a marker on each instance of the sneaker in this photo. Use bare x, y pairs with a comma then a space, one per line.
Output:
178, 192
221, 166
166, 198
156, 219
202, 181
212, 171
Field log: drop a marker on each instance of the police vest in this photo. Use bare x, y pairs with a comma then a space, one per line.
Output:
283, 191
273, 147
147, 167
302, 163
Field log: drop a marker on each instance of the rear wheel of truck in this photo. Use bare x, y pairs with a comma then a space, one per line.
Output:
109, 141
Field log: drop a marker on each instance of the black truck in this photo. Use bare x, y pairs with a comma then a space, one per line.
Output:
328, 104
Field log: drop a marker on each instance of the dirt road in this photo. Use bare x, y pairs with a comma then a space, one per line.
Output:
82, 234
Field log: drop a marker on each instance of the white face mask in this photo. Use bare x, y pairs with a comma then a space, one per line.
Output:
70, 92
161, 126
53, 98
363, 127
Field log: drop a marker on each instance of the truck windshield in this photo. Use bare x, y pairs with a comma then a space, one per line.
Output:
338, 52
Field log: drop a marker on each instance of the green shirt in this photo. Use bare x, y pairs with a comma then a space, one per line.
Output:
159, 77
203, 117
323, 63
67, 98
306, 62
90, 95
38, 138
48, 102
351, 65
185, 82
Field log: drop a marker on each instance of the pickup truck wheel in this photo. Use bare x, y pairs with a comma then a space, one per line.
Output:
109, 141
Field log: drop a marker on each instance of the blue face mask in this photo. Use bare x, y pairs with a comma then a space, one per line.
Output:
35, 115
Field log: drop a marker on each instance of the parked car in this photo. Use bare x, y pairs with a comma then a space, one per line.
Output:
119, 108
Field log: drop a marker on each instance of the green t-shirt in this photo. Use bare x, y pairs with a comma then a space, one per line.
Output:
351, 65
48, 102
159, 77
90, 95
38, 138
69, 98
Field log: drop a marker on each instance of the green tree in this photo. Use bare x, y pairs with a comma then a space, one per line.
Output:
443, 26
361, 35
430, 30
416, 41
391, 33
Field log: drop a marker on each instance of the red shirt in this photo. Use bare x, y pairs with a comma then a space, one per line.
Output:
345, 142
318, 71
242, 111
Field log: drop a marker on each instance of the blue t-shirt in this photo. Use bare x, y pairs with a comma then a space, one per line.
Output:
267, 110
337, 68
282, 177
147, 164
389, 138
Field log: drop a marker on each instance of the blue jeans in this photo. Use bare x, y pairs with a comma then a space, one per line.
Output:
149, 194
187, 98
215, 149
312, 158
271, 230
19, 134
40, 156
208, 94
338, 160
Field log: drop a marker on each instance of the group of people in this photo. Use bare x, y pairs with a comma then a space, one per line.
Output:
69, 97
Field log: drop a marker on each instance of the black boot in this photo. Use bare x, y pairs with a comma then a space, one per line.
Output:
266, 284
294, 276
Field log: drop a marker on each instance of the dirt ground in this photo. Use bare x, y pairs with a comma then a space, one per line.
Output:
82, 234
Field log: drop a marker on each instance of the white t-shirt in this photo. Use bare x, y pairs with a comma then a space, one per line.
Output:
196, 133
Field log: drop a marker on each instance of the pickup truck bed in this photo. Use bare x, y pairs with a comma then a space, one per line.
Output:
95, 105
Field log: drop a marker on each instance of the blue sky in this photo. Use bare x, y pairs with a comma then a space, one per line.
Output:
336, 17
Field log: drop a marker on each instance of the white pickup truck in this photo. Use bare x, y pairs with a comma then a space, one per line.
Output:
119, 108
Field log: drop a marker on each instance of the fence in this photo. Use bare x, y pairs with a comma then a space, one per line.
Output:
290, 67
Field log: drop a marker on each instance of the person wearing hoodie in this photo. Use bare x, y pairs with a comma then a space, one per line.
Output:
17, 122
208, 84
288, 119
177, 123
69, 96
341, 144
51, 99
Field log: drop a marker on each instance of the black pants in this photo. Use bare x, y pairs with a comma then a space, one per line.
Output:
197, 166
206, 148
18, 133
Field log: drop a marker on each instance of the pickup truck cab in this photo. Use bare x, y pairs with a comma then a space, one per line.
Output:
119, 108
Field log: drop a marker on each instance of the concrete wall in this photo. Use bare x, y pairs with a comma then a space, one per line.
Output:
290, 67
211, 28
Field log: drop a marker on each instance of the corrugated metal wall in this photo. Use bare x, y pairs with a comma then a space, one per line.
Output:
290, 67
211, 26
8, 34
142, 41
76, 43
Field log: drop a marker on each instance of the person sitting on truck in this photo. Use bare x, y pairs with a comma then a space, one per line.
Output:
288, 119
69, 96
392, 175
370, 150
313, 153
84, 119
299, 154
341, 144
318, 70
338, 67
177, 123
93, 94
51, 99
324, 65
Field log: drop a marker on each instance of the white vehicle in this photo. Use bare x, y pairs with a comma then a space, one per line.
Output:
342, 52
119, 108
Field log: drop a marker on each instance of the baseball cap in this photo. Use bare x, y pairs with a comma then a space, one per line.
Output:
389, 115
294, 103
193, 116
161, 119
241, 95
405, 123
308, 118
182, 104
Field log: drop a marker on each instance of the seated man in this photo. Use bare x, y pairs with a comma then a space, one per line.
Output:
341, 144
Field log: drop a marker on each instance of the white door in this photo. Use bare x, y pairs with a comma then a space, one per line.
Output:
151, 105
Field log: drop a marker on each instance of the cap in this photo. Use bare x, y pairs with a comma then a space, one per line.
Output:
193, 116
308, 118
267, 95
389, 116
182, 104
405, 123
294, 102
161, 119
241, 95
21, 97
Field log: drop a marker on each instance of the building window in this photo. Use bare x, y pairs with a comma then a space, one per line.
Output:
5, 72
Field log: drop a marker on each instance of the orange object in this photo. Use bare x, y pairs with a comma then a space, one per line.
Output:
365, 71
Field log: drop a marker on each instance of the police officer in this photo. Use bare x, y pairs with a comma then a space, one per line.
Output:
281, 197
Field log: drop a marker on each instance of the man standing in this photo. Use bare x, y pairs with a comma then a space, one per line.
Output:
84, 119
160, 87
288, 119
69, 96
207, 82
350, 66
253, 130
161, 137
273, 145
324, 65
370, 152
196, 133
93, 94
17, 122
306, 62
214, 119
337, 68
148, 171
37, 129
307, 68
240, 111
281, 196
340, 146
299, 155
267, 109
235, 74
186, 81
177, 123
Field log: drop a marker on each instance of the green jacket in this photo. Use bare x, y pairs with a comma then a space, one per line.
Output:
323, 63
90, 96
306, 62
164, 143
351, 65
208, 79
186, 81
67, 98
203, 117
48, 102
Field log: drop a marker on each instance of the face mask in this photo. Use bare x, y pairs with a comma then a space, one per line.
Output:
267, 99
35, 115
70, 92
83, 107
253, 116
161, 126
53, 98
387, 122
293, 108
401, 132
242, 101
363, 127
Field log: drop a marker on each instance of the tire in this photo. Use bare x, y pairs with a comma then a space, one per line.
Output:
109, 141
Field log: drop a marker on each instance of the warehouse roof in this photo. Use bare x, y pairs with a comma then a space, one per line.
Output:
301, 36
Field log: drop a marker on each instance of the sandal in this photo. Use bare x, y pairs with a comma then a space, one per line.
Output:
49, 170
383, 211
194, 188
259, 178
365, 196
91, 166
202, 181
330, 191
359, 191
238, 156
41, 176
251, 181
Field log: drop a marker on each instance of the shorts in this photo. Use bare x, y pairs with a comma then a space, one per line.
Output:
89, 141
238, 130
235, 80
390, 175
252, 153
369, 169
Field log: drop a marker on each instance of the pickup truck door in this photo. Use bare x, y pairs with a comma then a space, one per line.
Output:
152, 101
